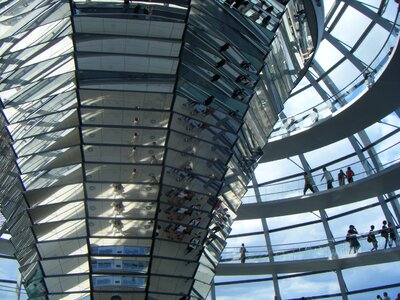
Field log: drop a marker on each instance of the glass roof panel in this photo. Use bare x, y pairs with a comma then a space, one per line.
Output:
341, 30
314, 284
344, 74
327, 50
372, 44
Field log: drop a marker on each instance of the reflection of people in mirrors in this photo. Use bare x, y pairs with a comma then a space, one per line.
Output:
179, 213
153, 159
179, 233
134, 137
179, 197
199, 108
193, 223
118, 189
193, 243
118, 207
195, 124
116, 226
185, 171
132, 155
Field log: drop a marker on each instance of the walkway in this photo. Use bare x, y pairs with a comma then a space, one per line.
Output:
372, 186
343, 122
310, 265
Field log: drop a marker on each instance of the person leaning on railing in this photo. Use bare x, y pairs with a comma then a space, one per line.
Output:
372, 239
351, 237
385, 233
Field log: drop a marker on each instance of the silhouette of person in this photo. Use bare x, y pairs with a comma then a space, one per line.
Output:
372, 239
385, 233
349, 175
328, 177
307, 183
341, 178
243, 254
352, 239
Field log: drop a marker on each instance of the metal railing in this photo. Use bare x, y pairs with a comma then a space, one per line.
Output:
292, 187
349, 93
303, 250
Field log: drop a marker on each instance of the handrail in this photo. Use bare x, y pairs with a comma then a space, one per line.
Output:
368, 147
282, 187
286, 126
302, 250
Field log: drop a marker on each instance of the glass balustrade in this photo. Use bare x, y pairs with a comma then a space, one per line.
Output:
293, 186
324, 109
319, 249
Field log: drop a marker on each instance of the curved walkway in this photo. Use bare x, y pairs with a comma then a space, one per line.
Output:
310, 265
372, 104
371, 186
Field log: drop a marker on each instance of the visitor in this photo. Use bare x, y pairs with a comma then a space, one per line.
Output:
386, 296
351, 237
328, 177
341, 178
349, 175
372, 239
392, 234
308, 184
243, 254
385, 233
